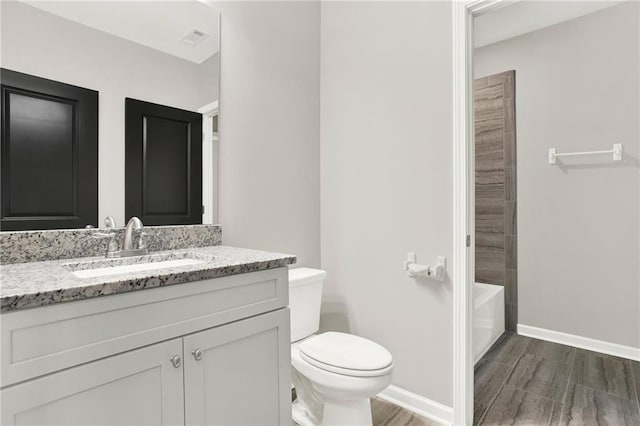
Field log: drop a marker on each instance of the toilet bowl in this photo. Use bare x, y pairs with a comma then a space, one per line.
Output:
334, 374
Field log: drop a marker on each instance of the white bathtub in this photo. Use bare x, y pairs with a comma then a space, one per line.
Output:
488, 317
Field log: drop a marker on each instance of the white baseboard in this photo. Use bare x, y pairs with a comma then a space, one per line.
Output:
609, 348
418, 404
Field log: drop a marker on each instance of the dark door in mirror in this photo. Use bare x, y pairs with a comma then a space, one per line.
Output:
49, 154
163, 164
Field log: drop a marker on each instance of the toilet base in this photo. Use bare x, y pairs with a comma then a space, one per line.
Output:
302, 416
355, 412
352, 413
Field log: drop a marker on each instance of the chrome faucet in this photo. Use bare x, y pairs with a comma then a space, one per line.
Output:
132, 241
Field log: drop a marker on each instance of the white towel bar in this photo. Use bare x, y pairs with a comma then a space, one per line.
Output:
616, 151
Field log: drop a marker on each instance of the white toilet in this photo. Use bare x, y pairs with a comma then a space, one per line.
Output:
334, 374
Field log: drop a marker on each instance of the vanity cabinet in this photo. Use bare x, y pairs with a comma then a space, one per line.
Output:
229, 364
231, 373
137, 387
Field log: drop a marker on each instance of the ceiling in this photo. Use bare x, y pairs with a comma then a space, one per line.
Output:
160, 25
521, 17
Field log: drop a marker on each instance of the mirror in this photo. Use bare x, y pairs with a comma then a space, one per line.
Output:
78, 74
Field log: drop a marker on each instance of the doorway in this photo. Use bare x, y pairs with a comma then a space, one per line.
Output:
570, 319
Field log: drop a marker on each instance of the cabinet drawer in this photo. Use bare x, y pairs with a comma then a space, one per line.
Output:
43, 340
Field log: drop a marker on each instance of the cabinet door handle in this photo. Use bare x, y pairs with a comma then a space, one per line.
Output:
197, 354
176, 361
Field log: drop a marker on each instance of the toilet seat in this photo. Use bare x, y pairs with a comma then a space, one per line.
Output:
346, 354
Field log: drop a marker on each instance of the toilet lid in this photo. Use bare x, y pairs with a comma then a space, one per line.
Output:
346, 353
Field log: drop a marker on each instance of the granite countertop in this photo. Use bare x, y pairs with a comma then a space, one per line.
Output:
34, 284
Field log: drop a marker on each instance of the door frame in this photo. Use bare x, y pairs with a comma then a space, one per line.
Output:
210, 168
463, 13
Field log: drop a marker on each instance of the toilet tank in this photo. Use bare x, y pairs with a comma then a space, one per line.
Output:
305, 294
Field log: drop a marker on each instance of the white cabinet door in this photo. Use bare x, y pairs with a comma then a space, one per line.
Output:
141, 387
239, 374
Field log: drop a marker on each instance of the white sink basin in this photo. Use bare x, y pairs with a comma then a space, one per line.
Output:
106, 267
126, 269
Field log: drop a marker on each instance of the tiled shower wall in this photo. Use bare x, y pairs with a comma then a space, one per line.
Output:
496, 230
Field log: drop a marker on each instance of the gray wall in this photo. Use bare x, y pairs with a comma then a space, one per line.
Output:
386, 185
577, 88
208, 79
39, 43
270, 127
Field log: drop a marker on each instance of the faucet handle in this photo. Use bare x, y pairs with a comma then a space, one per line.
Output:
103, 235
112, 247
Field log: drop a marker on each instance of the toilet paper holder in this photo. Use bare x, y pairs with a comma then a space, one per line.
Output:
438, 272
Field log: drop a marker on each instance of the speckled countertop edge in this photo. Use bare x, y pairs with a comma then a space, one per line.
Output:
35, 284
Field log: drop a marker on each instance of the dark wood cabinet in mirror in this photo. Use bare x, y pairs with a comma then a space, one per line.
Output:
163, 164
49, 154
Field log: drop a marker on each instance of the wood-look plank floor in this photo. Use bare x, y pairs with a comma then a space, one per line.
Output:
385, 413
525, 381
